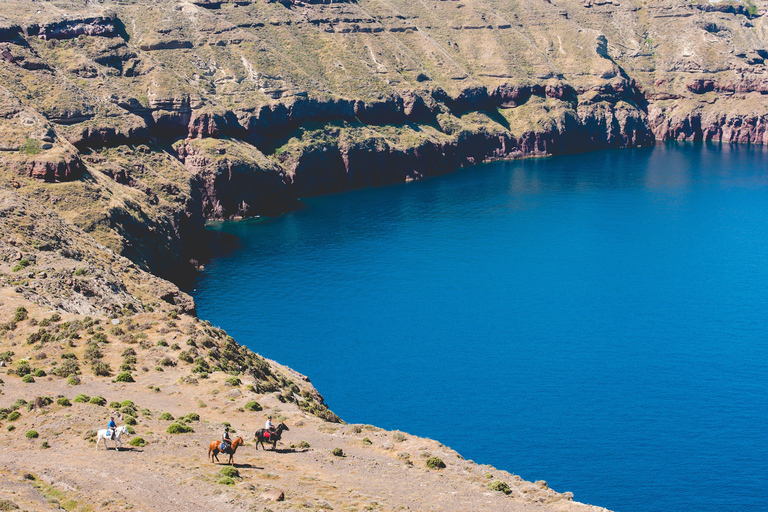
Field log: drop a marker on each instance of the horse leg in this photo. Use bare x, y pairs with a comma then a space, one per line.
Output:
97, 442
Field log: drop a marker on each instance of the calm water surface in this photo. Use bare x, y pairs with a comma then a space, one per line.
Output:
599, 320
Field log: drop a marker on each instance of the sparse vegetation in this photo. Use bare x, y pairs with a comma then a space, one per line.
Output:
32, 434
97, 400
252, 406
124, 377
137, 441
498, 485
435, 463
337, 452
179, 428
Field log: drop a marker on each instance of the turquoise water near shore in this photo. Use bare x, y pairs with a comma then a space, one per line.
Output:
598, 321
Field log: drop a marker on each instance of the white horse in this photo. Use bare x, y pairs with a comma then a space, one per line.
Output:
103, 436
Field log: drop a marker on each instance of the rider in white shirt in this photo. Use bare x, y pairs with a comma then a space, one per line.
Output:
268, 425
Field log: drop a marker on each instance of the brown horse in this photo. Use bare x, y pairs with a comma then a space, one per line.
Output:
213, 450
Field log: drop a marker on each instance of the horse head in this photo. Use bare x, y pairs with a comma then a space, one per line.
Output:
237, 442
282, 426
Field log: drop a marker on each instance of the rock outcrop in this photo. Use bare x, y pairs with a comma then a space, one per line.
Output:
179, 113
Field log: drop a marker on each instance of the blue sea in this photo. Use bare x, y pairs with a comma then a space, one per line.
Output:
598, 321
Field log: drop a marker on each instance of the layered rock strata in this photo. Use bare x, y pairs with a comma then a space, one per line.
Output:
159, 117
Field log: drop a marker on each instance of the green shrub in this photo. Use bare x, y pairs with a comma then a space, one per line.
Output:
167, 361
114, 405
45, 445
20, 314
127, 403
230, 472
233, 381
166, 416
40, 373
67, 368
23, 368
64, 401
192, 416
92, 352
184, 356
130, 420
124, 377
32, 434
162, 343
6, 356
11, 428
130, 429
101, 369
22, 264
28, 379
500, 486
367, 441
73, 380
303, 445
14, 416
252, 406
68, 355
337, 452
82, 399
226, 481
137, 441
8, 505
98, 400
435, 463
178, 428
399, 437
18, 403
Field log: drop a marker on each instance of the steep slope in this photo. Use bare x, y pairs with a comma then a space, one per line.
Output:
300, 98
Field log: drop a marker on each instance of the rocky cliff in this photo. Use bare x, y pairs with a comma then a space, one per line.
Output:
148, 118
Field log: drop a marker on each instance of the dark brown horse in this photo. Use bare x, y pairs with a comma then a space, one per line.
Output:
273, 438
214, 450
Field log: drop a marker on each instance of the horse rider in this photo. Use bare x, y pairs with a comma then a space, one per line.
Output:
268, 427
111, 427
225, 440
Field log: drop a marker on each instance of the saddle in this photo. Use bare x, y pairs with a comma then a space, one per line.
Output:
225, 448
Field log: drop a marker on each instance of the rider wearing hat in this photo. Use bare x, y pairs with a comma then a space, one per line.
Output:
268, 426
225, 440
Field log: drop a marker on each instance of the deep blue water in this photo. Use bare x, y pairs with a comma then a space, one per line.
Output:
601, 319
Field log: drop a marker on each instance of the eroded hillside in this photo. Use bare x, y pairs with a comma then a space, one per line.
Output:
152, 117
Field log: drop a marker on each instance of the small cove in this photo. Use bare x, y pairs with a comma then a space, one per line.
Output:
596, 320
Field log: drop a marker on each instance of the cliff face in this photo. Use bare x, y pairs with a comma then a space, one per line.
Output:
145, 118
